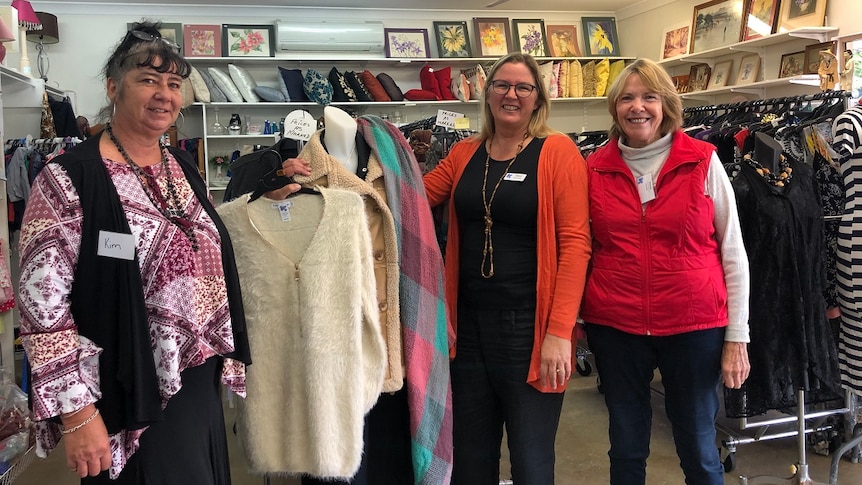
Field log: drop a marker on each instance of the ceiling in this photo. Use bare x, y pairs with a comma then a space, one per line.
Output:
504, 5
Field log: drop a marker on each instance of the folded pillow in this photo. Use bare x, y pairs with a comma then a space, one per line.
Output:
429, 82
476, 78
616, 69
590, 79
354, 81
554, 87
188, 93
374, 87
216, 95
546, 71
291, 83
244, 83
391, 88
576, 79
317, 87
224, 83
420, 95
341, 91
202, 93
460, 87
603, 69
444, 80
563, 79
267, 93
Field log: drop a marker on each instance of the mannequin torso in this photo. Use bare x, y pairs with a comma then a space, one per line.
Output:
340, 137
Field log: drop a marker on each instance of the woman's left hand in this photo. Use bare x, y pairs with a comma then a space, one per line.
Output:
290, 167
556, 361
734, 364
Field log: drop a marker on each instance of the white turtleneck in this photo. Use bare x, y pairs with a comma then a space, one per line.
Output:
649, 160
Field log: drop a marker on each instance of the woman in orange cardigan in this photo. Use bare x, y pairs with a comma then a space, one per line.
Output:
516, 260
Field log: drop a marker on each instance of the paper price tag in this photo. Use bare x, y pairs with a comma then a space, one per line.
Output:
446, 119
462, 123
299, 125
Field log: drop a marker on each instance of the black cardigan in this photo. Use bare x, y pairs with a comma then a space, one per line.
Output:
107, 298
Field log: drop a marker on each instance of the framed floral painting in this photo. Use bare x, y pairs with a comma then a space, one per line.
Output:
530, 36
600, 36
407, 43
201, 40
452, 39
493, 37
563, 40
248, 40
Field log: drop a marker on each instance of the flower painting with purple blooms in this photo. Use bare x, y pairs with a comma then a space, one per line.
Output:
531, 36
406, 42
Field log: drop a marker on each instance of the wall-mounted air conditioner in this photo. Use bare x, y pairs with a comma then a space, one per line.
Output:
328, 35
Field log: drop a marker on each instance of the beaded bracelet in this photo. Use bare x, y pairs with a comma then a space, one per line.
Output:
81, 425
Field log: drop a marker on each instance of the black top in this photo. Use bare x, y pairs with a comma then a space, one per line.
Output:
514, 212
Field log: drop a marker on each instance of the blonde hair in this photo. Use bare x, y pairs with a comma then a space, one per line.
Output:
538, 126
657, 80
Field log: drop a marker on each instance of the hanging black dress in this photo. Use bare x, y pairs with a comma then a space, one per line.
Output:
791, 344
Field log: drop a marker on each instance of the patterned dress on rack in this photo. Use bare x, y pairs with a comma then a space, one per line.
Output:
847, 143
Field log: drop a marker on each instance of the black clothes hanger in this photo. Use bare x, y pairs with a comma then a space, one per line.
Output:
275, 179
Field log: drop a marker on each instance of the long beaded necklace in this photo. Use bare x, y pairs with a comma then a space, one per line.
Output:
784, 176
488, 246
172, 208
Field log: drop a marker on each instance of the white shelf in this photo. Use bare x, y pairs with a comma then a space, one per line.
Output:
342, 59
757, 87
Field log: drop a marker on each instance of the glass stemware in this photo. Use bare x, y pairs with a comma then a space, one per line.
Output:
217, 128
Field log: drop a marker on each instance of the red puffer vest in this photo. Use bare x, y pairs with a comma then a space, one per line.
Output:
656, 272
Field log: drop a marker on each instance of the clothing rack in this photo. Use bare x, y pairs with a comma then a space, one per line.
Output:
768, 103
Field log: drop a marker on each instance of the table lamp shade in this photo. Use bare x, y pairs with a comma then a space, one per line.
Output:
6, 33
49, 33
27, 17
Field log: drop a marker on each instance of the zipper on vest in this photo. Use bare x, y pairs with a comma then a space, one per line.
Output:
645, 272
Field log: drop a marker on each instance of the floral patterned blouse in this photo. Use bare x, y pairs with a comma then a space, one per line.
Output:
184, 291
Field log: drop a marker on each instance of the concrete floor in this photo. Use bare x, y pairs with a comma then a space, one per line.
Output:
581, 452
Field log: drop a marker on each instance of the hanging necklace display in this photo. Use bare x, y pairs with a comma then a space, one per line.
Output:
783, 177
488, 246
171, 208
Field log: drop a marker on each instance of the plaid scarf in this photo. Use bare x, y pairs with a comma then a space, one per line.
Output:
423, 311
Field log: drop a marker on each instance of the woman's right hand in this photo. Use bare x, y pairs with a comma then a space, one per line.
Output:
290, 167
88, 451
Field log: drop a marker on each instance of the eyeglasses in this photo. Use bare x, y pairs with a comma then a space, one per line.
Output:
522, 90
148, 37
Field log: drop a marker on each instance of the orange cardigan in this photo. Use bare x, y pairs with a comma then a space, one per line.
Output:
562, 239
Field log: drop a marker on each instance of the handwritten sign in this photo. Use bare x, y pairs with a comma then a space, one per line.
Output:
462, 123
299, 125
447, 119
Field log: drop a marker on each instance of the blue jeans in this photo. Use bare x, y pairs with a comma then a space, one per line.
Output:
690, 366
490, 390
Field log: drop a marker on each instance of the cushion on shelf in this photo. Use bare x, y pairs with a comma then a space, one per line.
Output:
391, 88
554, 87
546, 70
188, 93
476, 79
216, 95
341, 91
267, 93
291, 81
374, 87
460, 87
429, 81
223, 81
616, 69
444, 80
563, 79
355, 82
589, 75
420, 95
244, 83
317, 87
576, 79
603, 69
202, 92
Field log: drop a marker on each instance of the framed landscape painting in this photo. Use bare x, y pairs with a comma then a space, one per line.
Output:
717, 23
530, 36
406, 42
563, 40
492, 36
452, 39
675, 41
201, 40
248, 40
600, 36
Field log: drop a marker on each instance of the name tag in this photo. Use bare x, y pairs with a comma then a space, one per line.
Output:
646, 191
116, 245
515, 177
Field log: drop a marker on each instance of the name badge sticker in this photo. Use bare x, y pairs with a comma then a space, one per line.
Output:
515, 177
116, 245
646, 190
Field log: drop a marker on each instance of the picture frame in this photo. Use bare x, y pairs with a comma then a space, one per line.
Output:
717, 23
562, 40
453, 39
792, 64
529, 35
698, 77
600, 36
720, 74
760, 18
675, 41
680, 82
240, 40
812, 56
801, 13
493, 37
407, 43
201, 40
170, 31
749, 68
